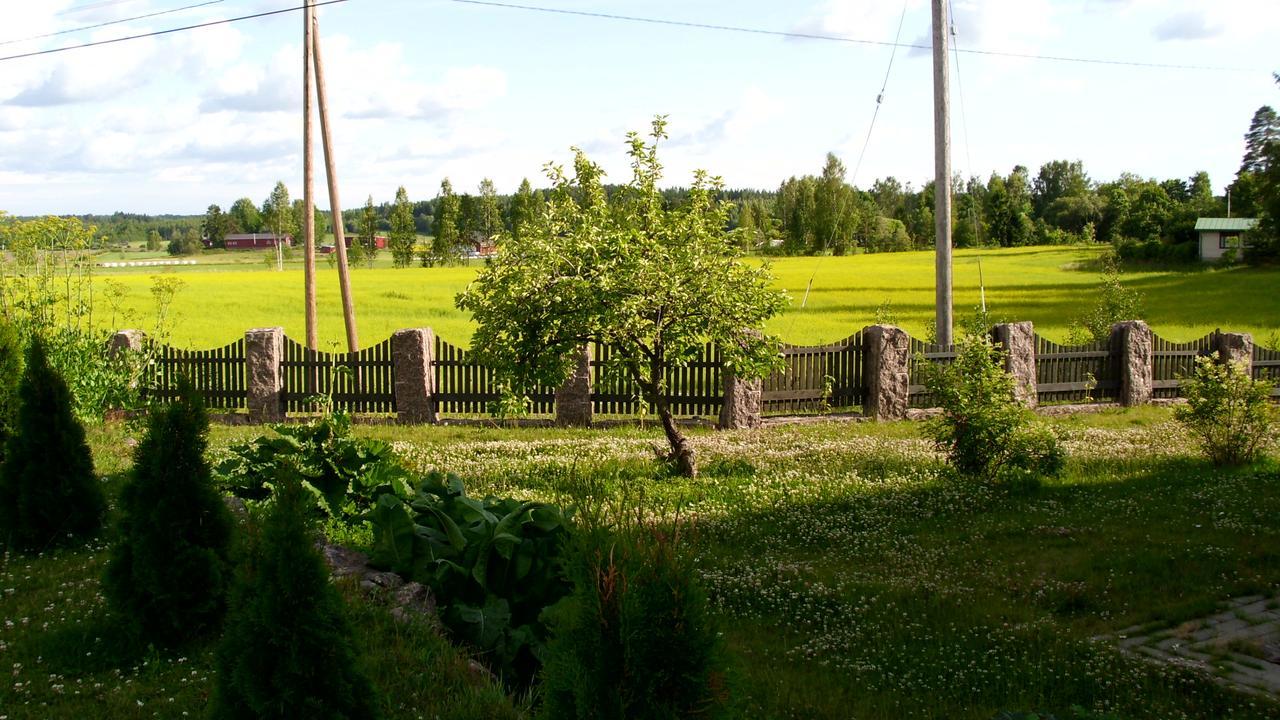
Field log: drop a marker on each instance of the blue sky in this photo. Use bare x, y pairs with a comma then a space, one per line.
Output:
430, 88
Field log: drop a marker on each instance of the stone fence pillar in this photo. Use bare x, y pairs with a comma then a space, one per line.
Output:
1132, 341
1236, 347
413, 359
1019, 342
573, 398
263, 351
126, 341
888, 354
743, 402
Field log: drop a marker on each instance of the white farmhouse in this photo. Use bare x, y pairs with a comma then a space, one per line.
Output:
1217, 235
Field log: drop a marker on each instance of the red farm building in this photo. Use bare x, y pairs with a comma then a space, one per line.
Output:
255, 241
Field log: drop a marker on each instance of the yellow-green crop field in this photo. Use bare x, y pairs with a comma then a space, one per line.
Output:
228, 293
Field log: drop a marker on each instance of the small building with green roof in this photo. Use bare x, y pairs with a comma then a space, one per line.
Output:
1220, 235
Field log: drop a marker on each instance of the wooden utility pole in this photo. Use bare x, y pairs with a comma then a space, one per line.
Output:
335, 205
308, 187
942, 171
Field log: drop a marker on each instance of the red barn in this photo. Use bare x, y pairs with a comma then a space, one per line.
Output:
255, 241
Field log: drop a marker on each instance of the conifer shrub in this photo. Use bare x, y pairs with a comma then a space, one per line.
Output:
10, 377
287, 650
48, 492
169, 566
635, 638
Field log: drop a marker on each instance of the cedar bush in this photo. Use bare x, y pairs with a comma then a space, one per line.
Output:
169, 567
635, 639
10, 376
287, 650
48, 492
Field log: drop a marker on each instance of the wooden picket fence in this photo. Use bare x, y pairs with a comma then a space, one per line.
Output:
218, 374
1173, 361
923, 352
359, 382
1266, 366
814, 379
817, 378
1076, 373
696, 388
465, 387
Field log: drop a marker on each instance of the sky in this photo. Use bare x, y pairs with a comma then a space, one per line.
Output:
427, 89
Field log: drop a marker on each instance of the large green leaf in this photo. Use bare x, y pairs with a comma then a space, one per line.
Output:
393, 534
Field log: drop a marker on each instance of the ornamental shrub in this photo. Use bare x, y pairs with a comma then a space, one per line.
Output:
494, 565
635, 638
287, 649
169, 569
1227, 411
48, 492
983, 429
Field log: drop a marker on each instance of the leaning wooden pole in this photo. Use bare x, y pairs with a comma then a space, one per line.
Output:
308, 187
942, 171
335, 205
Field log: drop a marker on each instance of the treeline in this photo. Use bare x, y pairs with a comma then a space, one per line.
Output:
1059, 204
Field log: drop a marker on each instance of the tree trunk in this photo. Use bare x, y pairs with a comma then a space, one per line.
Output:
682, 455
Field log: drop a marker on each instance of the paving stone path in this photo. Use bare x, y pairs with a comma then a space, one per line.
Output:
1239, 646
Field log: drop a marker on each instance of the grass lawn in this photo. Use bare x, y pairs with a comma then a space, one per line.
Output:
230, 292
851, 575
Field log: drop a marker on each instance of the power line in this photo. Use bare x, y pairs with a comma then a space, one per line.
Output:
169, 31
842, 39
853, 180
880, 98
112, 22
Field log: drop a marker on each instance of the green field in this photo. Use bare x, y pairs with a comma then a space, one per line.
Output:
228, 293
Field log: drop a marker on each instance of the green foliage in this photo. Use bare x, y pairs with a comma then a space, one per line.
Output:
1116, 302
216, 226
635, 639
403, 234
652, 282
343, 474
1227, 411
287, 650
169, 568
185, 243
47, 290
493, 564
10, 377
983, 429
49, 494
445, 239
368, 233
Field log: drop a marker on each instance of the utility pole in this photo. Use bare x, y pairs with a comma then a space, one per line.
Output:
335, 205
308, 187
942, 171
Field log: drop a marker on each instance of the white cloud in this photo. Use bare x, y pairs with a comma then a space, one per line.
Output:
69, 79
1190, 25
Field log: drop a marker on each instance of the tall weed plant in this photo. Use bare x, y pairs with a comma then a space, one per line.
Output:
48, 291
